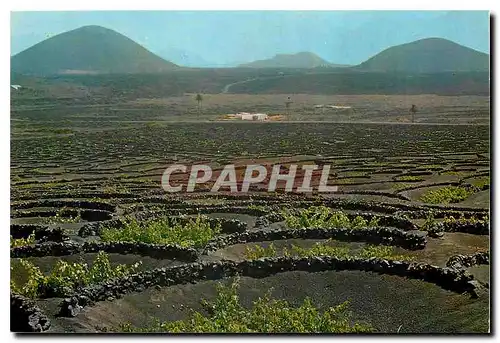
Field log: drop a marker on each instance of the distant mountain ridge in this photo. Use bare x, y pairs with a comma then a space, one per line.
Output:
298, 60
430, 55
88, 50
98, 50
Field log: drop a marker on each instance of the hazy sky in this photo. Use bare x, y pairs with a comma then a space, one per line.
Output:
225, 37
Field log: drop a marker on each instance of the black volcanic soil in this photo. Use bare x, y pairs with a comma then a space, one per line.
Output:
389, 303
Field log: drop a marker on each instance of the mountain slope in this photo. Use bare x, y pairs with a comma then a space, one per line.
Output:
89, 49
183, 58
428, 55
298, 60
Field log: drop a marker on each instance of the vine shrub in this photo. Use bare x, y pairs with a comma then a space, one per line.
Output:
429, 223
462, 220
66, 277
21, 242
323, 217
61, 217
446, 195
192, 233
324, 249
259, 252
266, 315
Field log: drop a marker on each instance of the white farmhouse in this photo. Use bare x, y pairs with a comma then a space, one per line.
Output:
259, 116
251, 116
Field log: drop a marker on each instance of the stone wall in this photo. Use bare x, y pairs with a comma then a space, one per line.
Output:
25, 316
449, 278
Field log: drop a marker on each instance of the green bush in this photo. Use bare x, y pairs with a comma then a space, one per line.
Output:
21, 242
325, 249
462, 220
192, 233
325, 217
429, 223
267, 315
374, 222
256, 252
66, 276
446, 195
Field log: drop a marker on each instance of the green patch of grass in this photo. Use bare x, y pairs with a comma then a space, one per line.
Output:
266, 315
446, 195
325, 217
65, 276
192, 233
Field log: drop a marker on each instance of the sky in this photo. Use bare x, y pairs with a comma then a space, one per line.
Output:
226, 38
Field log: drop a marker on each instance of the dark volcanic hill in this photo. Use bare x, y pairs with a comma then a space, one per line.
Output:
298, 60
429, 55
88, 50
